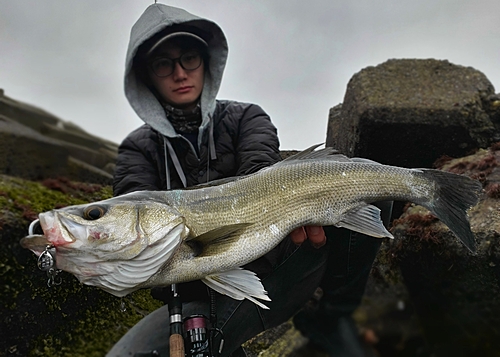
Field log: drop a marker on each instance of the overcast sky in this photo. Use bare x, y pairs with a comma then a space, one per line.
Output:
292, 57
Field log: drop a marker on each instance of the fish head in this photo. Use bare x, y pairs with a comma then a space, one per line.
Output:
115, 244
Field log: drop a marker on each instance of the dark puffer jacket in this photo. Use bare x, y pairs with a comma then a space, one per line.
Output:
238, 138
245, 141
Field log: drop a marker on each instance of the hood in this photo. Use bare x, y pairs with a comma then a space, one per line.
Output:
156, 18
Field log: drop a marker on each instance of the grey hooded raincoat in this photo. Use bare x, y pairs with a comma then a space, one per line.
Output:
234, 138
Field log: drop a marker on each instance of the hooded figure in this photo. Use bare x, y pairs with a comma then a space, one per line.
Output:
227, 138
174, 66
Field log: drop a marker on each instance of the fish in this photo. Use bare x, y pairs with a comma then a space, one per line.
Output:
208, 232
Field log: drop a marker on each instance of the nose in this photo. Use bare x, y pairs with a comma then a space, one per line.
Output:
179, 73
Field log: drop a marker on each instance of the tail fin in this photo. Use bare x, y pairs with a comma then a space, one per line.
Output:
455, 194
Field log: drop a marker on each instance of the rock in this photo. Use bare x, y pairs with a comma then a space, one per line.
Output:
37, 145
70, 319
450, 296
386, 317
409, 112
427, 296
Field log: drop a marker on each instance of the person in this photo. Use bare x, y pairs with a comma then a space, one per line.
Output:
174, 67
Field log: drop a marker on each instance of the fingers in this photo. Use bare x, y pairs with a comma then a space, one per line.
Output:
298, 235
316, 235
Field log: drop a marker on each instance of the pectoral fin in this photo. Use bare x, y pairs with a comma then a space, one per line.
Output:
365, 220
239, 284
218, 239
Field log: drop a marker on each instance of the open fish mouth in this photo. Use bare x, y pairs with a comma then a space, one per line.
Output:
36, 240
35, 228
45, 232
36, 243
59, 229
39, 244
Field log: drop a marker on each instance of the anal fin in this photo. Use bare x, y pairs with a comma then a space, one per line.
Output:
365, 220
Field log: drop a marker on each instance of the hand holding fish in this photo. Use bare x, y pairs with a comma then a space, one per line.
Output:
315, 234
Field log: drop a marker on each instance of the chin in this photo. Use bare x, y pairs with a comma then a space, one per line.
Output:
185, 104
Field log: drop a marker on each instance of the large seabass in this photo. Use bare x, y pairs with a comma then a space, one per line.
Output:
147, 238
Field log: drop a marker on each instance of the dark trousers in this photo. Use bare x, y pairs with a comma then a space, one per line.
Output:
341, 268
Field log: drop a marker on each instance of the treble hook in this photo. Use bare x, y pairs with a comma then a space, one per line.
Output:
54, 279
46, 262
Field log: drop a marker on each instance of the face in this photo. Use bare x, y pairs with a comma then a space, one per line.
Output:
181, 89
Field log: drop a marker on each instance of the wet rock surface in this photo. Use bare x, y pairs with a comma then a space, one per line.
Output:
36, 145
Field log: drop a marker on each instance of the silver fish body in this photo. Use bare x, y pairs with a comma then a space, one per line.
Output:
145, 239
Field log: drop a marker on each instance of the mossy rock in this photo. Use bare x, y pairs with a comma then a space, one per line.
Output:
455, 293
424, 108
66, 320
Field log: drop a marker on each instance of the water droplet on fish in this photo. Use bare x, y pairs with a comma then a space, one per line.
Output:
123, 308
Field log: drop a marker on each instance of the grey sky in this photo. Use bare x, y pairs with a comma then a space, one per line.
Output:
294, 58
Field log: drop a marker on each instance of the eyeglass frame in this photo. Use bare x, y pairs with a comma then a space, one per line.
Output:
174, 61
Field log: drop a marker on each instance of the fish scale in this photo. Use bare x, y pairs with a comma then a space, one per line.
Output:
292, 195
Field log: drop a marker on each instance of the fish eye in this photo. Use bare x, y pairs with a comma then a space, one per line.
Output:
92, 213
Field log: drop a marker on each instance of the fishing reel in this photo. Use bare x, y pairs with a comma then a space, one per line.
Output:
197, 340
191, 337
196, 336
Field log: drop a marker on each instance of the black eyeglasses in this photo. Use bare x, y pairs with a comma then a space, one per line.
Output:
164, 66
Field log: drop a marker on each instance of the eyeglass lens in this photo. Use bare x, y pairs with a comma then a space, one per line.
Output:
164, 66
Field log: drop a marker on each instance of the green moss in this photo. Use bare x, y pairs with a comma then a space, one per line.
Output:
97, 328
67, 320
29, 198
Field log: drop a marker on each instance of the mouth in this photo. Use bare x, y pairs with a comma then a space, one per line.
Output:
43, 232
37, 243
36, 240
183, 89
57, 228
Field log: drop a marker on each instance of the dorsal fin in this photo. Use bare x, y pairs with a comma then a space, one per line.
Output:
312, 154
307, 154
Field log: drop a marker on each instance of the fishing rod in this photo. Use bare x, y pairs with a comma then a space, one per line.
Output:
197, 341
176, 341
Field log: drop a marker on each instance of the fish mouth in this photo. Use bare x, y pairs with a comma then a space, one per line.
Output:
45, 232
37, 243
59, 229
53, 230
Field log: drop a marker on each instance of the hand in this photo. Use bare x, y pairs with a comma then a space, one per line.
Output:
316, 235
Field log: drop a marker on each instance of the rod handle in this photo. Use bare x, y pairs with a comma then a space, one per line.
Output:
176, 345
